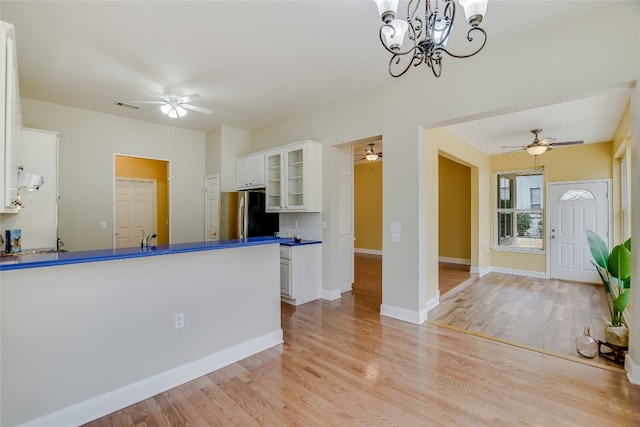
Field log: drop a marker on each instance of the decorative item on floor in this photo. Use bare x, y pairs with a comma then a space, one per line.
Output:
585, 345
427, 36
615, 272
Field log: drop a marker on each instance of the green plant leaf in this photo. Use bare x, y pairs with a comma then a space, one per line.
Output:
619, 263
599, 250
622, 301
626, 283
603, 277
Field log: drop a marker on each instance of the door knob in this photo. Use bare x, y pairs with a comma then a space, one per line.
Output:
553, 236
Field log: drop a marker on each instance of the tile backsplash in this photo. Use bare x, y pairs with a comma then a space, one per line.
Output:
307, 225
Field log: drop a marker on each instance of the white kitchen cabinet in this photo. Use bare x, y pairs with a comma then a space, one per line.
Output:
300, 273
10, 121
294, 178
250, 171
38, 218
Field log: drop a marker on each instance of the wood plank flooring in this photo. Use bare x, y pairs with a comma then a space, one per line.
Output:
344, 364
545, 315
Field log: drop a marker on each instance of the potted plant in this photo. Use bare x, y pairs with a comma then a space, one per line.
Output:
614, 269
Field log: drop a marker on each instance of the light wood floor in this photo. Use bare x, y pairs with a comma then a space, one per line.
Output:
542, 314
344, 364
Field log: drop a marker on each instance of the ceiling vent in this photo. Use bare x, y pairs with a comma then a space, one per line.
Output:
126, 105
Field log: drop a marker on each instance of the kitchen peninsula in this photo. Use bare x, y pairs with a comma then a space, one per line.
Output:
87, 333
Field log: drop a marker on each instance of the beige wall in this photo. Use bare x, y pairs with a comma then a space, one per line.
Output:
454, 216
571, 163
367, 215
89, 142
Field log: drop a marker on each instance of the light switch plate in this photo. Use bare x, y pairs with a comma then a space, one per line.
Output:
395, 227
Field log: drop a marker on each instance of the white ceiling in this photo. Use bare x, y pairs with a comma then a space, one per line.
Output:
259, 62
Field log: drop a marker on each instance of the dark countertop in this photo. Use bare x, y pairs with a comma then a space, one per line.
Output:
47, 259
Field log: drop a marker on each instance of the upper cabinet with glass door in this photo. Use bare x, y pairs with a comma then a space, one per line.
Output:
294, 178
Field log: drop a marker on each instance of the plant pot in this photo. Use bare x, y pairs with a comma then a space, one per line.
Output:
617, 335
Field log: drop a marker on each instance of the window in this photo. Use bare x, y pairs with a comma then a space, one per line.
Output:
519, 210
624, 186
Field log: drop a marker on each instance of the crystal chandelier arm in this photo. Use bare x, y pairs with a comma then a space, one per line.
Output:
470, 39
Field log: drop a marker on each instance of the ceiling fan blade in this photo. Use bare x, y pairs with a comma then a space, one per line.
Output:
190, 98
196, 108
522, 147
559, 144
147, 102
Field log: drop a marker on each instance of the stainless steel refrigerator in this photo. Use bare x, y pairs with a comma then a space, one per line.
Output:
242, 215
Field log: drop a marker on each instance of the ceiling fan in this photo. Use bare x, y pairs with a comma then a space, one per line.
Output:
174, 104
370, 154
541, 146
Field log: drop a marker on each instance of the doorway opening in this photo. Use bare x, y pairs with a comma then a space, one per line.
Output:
454, 224
137, 169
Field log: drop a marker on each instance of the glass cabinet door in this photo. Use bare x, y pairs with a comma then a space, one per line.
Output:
274, 181
295, 178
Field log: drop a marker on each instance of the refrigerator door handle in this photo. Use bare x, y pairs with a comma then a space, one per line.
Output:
241, 219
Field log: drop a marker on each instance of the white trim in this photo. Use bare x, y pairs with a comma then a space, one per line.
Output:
415, 317
330, 295
480, 271
633, 369
117, 399
461, 261
518, 272
367, 251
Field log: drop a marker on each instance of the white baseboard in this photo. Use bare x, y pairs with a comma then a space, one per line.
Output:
415, 317
114, 400
367, 251
449, 260
330, 295
527, 273
633, 369
481, 271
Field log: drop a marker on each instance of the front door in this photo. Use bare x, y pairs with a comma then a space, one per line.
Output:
135, 202
573, 208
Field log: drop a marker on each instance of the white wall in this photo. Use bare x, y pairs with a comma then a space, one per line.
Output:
88, 143
223, 146
553, 65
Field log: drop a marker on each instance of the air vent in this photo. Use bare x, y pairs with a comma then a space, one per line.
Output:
126, 105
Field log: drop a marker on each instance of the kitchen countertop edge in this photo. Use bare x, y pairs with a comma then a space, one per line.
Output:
64, 258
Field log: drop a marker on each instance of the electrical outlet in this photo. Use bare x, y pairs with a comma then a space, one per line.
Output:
103, 225
395, 237
179, 320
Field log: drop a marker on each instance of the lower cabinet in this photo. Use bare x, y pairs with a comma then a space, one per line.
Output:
300, 273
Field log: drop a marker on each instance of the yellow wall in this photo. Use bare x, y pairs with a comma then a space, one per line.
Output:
621, 147
134, 167
367, 213
571, 163
454, 209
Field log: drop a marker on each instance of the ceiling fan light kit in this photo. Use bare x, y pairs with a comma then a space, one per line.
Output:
370, 154
173, 110
426, 36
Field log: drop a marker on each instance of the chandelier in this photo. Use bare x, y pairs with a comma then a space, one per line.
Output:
426, 37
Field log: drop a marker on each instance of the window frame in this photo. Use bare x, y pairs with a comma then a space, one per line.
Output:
498, 211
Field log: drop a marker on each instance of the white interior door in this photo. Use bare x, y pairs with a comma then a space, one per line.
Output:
135, 211
573, 208
345, 219
212, 207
